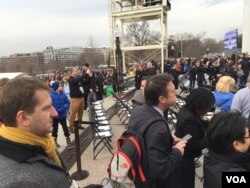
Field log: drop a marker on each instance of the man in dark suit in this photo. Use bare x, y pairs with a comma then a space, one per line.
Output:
163, 150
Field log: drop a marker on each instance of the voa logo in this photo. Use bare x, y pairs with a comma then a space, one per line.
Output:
236, 179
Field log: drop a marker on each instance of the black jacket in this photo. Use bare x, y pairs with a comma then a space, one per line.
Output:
138, 76
187, 123
192, 73
245, 66
85, 83
162, 159
215, 164
74, 87
150, 71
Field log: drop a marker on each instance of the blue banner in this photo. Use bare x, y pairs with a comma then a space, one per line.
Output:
230, 40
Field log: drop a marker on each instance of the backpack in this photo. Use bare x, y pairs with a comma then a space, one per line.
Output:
129, 163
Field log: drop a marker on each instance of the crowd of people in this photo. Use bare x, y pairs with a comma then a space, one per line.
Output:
207, 71
31, 109
215, 86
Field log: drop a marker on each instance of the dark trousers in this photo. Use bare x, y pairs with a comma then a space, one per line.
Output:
192, 83
64, 126
85, 98
185, 174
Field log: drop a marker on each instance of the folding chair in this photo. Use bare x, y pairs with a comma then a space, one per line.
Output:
97, 113
127, 114
99, 118
172, 120
101, 139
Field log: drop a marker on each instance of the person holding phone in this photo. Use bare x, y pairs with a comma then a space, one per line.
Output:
189, 121
164, 152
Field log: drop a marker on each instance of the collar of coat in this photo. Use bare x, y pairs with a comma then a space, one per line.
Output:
18, 152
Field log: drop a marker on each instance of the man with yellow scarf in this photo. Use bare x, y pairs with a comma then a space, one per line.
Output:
28, 156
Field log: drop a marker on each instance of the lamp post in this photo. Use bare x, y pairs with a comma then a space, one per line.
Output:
118, 56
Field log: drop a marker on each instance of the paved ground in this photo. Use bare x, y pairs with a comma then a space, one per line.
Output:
98, 168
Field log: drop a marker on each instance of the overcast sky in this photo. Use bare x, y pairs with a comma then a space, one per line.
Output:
32, 25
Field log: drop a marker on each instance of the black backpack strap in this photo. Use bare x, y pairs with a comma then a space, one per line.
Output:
149, 122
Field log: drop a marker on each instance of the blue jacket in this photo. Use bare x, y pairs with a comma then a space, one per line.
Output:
61, 103
223, 100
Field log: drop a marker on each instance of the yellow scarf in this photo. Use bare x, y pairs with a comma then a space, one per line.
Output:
24, 137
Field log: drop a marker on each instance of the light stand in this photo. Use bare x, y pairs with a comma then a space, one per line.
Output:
119, 64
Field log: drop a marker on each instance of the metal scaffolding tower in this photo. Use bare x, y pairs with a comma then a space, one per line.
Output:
130, 11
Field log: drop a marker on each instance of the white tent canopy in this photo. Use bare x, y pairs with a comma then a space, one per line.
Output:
11, 75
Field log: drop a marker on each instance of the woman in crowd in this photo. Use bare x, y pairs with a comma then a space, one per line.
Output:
192, 74
189, 121
66, 86
201, 81
175, 71
228, 144
222, 94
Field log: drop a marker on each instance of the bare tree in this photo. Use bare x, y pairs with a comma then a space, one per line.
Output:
92, 55
138, 34
193, 45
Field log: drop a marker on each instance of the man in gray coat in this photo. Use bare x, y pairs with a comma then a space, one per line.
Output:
164, 151
28, 157
241, 100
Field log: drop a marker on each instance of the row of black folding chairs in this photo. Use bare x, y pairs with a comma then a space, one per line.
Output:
124, 111
179, 103
172, 119
101, 128
129, 92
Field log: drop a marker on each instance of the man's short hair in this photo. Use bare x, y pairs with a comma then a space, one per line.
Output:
86, 64
19, 94
146, 78
156, 87
224, 129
